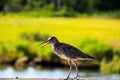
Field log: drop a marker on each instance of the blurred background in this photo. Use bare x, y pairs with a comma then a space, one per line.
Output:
90, 25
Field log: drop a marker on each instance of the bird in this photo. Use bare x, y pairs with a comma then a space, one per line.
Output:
67, 52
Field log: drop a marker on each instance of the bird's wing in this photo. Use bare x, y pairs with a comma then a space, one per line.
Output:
72, 52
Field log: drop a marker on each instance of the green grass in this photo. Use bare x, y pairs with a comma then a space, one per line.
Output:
111, 67
66, 29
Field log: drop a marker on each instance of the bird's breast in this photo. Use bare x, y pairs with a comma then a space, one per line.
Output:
60, 53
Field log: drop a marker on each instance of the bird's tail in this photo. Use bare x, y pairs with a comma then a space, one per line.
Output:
90, 57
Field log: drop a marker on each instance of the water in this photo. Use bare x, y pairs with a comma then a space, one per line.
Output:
39, 72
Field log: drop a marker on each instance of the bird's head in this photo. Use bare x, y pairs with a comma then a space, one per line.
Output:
51, 40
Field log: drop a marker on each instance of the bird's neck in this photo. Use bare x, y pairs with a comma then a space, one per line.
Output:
55, 43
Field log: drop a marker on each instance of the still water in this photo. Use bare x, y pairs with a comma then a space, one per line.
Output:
31, 72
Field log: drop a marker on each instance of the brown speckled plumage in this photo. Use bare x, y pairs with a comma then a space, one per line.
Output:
70, 52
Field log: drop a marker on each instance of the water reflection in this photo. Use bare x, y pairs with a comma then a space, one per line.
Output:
40, 72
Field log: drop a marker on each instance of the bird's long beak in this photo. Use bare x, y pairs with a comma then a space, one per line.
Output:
44, 43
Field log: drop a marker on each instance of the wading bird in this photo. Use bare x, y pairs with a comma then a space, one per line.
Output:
68, 52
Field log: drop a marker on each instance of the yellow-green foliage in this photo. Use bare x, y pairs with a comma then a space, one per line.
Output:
96, 48
111, 67
9, 52
66, 29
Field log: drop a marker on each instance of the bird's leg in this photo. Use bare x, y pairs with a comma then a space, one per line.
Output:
69, 70
76, 69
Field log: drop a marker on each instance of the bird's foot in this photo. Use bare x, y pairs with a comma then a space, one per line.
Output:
69, 79
75, 78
